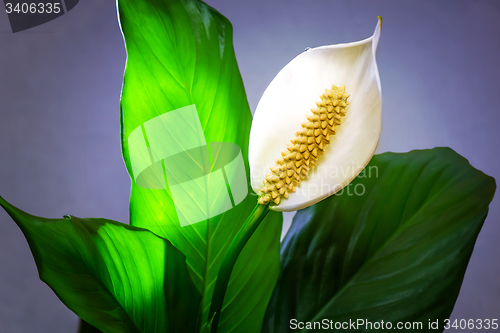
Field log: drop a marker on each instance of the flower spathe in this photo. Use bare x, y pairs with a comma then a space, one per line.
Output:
296, 95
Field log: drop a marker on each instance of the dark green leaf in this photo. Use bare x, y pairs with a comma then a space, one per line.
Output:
116, 277
180, 53
87, 328
397, 253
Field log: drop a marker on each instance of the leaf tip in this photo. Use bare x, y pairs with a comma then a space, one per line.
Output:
19, 216
5, 205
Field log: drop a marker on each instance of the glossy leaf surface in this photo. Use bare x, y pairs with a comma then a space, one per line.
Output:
393, 246
180, 53
116, 277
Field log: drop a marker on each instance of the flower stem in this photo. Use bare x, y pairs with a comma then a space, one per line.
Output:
242, 237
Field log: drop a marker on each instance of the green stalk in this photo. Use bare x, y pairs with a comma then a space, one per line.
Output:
242, 237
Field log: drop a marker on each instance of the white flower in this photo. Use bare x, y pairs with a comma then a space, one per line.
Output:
287, 111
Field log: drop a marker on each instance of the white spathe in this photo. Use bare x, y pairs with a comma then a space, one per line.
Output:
288, 100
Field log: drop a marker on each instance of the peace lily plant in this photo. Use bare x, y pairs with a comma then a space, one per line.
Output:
334, 134
396, 253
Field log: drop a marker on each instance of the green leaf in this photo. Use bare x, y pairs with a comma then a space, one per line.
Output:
180, 53
87, 328
115, 277
397, 253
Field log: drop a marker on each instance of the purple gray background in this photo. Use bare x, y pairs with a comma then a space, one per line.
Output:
59, 115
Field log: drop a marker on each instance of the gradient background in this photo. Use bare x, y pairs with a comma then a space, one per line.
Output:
60, 86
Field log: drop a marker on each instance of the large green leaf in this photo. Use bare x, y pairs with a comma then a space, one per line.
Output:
116, 277
397, 252
180, 53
